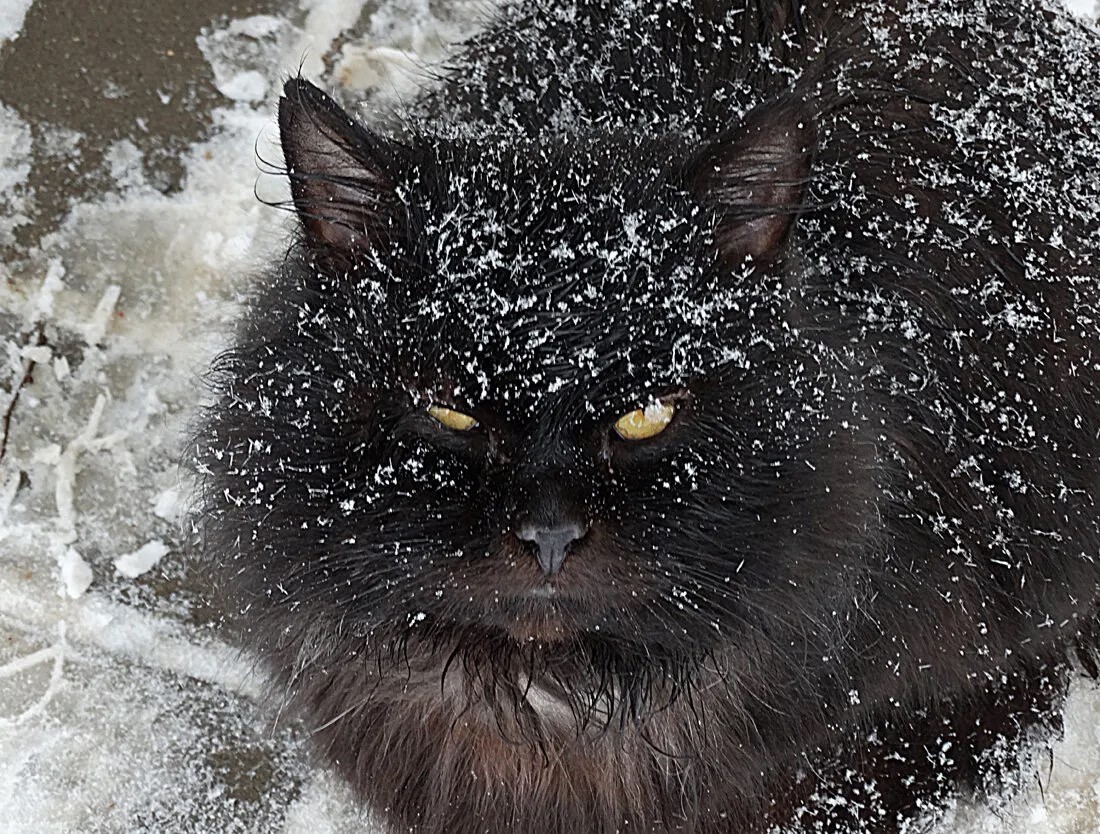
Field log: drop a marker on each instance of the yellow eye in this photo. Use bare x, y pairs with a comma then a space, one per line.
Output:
454, 420
644, 423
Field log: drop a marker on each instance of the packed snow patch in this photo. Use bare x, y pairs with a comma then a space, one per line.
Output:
141, 560
76, 574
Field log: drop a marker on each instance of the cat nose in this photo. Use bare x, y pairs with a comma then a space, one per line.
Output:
551, 543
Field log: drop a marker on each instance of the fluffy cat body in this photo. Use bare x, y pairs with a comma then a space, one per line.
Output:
850, 247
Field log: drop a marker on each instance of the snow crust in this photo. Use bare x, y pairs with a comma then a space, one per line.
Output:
119, 709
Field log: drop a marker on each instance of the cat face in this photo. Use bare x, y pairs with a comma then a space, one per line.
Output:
569, 399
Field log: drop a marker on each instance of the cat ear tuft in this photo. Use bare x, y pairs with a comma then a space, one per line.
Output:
755, 178
339, 171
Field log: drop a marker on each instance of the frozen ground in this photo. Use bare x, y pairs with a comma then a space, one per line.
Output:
120, 710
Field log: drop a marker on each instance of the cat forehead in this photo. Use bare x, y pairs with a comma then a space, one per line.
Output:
579, 181
525, 357
558, 272
517, 259
592, 328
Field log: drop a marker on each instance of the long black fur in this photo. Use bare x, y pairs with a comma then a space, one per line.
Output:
855, 244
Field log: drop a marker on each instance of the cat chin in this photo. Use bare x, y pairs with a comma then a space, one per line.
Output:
540, 631
484, 737
539, 617
530, 668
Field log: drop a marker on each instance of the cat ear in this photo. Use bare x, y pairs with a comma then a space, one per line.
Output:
755, 178
339, 171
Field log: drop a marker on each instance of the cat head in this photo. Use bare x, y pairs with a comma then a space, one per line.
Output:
567, 398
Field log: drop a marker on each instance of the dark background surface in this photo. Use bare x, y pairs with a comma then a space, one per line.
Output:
110, 70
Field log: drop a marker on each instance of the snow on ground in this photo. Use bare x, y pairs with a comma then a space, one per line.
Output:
120, 709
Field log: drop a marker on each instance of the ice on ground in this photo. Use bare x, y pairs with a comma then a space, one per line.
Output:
53, 655
124, 747
120, 710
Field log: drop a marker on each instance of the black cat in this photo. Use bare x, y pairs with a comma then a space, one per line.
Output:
686, 420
